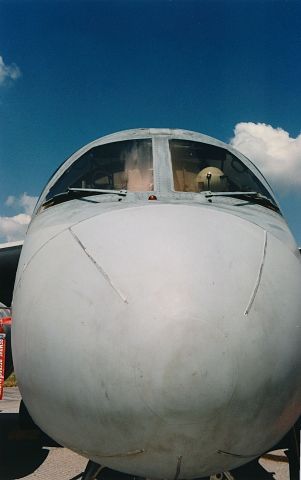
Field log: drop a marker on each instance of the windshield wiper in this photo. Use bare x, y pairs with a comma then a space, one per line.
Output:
96, 191
252, 197
73, 193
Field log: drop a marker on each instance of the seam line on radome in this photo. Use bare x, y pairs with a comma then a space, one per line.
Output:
255, 290
99, 268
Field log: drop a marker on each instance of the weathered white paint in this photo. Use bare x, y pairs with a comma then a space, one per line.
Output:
160, 338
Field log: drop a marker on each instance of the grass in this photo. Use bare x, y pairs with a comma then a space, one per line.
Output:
11, 381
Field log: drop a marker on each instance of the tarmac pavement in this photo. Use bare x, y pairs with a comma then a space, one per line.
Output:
11, 400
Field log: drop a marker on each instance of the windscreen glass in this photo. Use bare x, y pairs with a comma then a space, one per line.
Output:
124, 165
201, 167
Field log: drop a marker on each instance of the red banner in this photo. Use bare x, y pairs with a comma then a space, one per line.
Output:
2, 362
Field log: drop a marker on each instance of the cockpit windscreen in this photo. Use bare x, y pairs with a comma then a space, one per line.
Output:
199, 167
121, 165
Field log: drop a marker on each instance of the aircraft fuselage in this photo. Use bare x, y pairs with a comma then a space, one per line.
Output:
160, 336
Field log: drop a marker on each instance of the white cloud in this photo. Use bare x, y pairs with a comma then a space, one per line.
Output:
14, 228
28, 203
8, 72
273, 151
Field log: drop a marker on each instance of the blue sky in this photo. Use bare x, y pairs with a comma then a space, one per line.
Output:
73, 71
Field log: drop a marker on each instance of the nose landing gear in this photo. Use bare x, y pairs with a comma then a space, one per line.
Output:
91, 471
94, 471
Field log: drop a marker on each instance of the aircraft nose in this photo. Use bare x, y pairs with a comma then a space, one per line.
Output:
183, 278
172, 311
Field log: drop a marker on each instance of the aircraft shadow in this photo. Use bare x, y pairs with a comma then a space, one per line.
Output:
21, 451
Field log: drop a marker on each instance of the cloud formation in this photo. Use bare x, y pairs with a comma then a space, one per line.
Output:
273, 151
8, 72
26, 202
14, 228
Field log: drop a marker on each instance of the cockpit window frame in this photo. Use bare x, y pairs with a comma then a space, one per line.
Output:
227, 148
162, 164
63, 167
